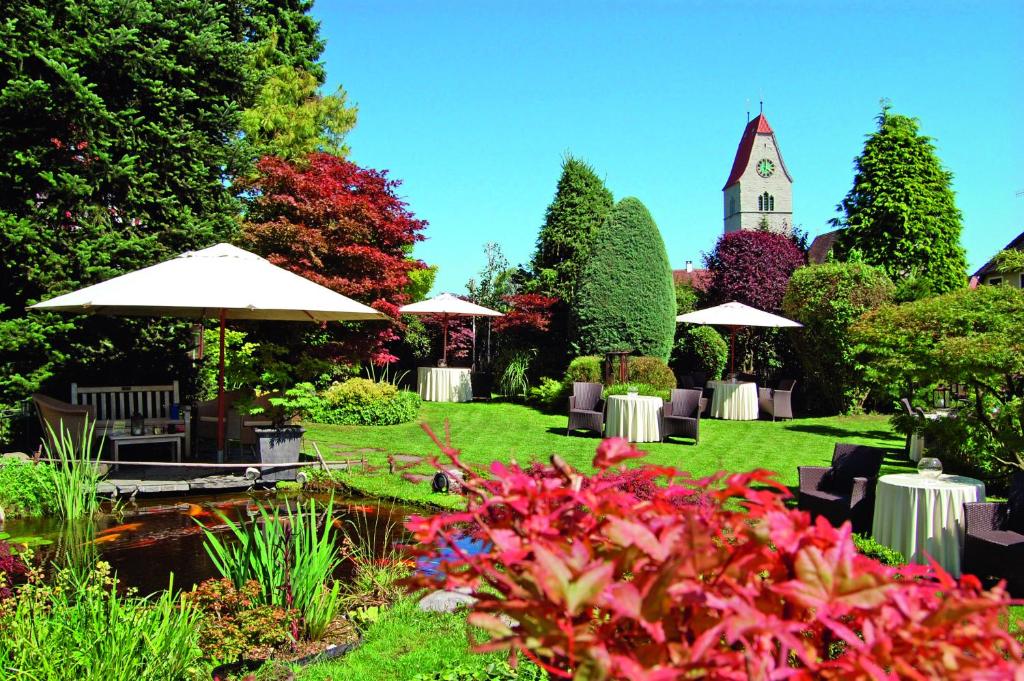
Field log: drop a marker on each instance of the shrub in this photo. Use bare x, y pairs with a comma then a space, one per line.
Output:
491, 671
26, 489
550, 394
585, 369
515, 378
81, 627
12, 568
700, 348
641, 389
362, 402
235, 625
868, 546
604, 585
752, 268
827, 299
652, 371
627, 296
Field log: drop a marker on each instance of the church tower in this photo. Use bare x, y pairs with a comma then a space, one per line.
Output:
759, 189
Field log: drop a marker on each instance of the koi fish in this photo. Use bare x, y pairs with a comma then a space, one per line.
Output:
364, 508
150, 541
127, 527
197, 511
106, 539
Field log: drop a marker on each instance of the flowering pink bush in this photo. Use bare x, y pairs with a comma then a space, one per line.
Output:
603, 584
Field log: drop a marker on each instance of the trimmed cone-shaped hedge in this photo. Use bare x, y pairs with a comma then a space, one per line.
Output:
626, 298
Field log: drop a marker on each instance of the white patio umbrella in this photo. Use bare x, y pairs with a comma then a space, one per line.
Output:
448, 305
222, 281
735, 316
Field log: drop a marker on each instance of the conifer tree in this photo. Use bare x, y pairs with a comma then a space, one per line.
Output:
627, 297
901, 213
580, 205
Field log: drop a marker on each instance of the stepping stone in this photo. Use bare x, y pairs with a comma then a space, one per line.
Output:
446, 601
417, 477
406, 458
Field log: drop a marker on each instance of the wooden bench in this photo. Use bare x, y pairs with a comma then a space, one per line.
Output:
119, 403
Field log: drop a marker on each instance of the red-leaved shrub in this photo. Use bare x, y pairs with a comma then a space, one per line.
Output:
12, 568
604, 584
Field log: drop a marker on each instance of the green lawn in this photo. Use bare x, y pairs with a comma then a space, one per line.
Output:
488, 431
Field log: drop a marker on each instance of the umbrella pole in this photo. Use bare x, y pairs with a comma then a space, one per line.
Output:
445, 355
220, 393
472, 363
732, 350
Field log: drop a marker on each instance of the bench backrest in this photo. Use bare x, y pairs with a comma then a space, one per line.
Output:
120, 403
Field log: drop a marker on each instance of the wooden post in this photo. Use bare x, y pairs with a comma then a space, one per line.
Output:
220, 392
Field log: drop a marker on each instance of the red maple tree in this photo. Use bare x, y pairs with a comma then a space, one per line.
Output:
752, 268
343, 227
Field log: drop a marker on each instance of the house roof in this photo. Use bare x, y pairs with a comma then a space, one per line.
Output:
1017, 244
698, 279
820, 247
758, 126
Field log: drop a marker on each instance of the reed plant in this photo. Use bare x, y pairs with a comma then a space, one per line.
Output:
88, 631
292, 555
75, 471
371, 545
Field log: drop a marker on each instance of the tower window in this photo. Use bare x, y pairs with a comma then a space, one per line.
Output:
771, 203
760, 202
766, 202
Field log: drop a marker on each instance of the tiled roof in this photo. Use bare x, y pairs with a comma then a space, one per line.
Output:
820, 247
698, 279
758, 126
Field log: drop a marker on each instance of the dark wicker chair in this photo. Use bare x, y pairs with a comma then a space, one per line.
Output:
994, 538
681, 415
56, 416
686, 381
586, 408
777, 402
846, 489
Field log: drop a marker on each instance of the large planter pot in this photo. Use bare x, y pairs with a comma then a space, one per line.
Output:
280, 445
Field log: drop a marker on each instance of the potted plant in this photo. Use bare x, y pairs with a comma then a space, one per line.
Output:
280, 442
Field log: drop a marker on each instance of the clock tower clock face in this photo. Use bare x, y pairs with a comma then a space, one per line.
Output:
765, 167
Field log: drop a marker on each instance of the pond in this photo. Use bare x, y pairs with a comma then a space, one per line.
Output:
153, 538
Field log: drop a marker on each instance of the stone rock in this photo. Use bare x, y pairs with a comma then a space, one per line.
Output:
14, 456
445, 601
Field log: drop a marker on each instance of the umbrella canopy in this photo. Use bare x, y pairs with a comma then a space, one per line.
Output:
448, 305
222, 281
735, 316
204, 284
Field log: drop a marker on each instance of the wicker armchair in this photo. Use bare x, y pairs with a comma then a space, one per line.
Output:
994, 538
681, 415
55, 416
586, 408
778, 401
846, 489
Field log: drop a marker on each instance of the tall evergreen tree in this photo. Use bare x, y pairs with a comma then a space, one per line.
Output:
116, 121
901, 213
627, 297
580, 205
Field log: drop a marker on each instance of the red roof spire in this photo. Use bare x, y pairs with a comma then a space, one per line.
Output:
757, 126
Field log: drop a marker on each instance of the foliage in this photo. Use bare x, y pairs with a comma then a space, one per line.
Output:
370, 543
514, 381
640, 388
866, 545
75, 629
496, 671
604, 585
343, 227
971, 337
26, 489
752, 268
528, 316
901, 213
653, 371
291, 556
626, 298
362, 402
687, 298
118, 134
75, 474
571, 224
550, 394
12, 568
495, 279
585, 369
1009, 261
700, 348
827, 299
235, 624
967, 447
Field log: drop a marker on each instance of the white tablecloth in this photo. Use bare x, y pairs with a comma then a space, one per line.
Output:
634, 417
438, 384
919, 516
917, 443
734, 401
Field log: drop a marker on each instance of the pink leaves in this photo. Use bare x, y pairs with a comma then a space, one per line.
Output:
647, 574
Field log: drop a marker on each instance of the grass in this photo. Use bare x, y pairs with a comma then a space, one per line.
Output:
488, 431
404, 642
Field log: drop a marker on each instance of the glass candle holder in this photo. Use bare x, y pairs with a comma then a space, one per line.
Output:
929, 467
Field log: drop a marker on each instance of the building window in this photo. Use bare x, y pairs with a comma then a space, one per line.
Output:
760, 202
766, 202
771, 203
994, 281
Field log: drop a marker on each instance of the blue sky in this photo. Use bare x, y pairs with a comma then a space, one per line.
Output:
473, 104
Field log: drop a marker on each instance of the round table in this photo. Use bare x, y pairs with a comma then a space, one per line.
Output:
634, 417
734, 400
444, 384
921, 516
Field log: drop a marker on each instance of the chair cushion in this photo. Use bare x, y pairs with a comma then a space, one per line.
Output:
1000, 537
824, 495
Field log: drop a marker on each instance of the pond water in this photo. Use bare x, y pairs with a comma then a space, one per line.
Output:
157, 537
